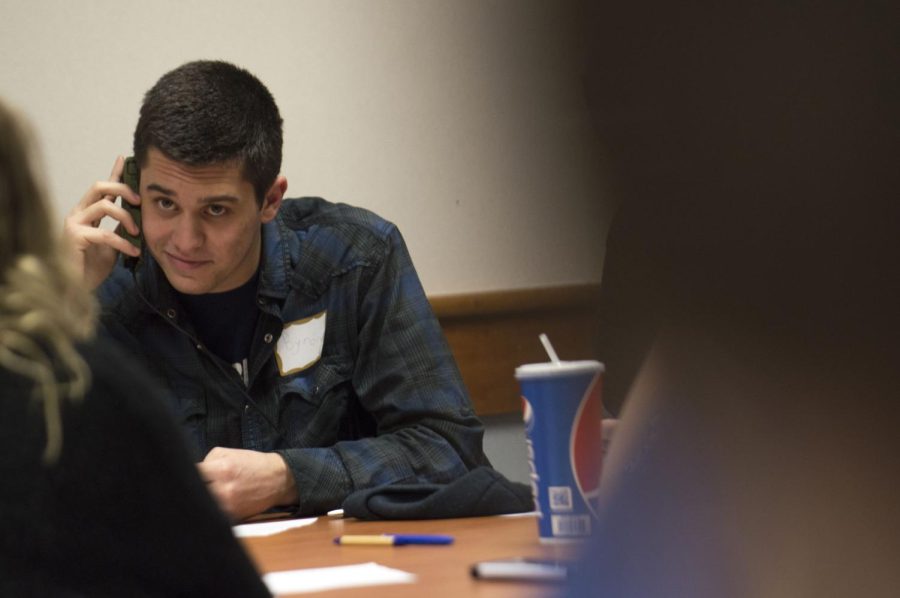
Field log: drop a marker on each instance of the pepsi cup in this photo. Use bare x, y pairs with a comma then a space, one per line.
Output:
563, 426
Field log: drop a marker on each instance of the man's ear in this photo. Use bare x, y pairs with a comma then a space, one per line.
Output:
272, 201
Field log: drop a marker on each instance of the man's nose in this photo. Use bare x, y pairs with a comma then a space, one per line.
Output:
188, 234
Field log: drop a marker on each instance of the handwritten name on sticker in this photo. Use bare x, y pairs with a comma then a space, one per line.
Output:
300, 345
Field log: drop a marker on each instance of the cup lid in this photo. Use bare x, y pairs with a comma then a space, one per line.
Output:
562, 368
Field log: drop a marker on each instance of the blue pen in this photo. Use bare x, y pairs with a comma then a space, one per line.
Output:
393, 540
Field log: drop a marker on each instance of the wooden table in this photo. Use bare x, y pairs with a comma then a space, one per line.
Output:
441, 570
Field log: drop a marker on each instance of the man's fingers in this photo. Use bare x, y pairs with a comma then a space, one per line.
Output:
213, 472
218, 481
216, 465
206, 472
117, 169
102, 236
216, 453
107, 191
92, 214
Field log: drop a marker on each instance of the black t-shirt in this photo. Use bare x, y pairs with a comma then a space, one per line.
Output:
225, 321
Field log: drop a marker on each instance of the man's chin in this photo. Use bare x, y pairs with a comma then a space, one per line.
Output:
190, 290
188, 286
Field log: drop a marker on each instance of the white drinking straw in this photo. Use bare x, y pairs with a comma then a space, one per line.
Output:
549, 349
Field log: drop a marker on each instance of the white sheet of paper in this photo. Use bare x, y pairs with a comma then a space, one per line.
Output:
517, 515
299, 581
269, 528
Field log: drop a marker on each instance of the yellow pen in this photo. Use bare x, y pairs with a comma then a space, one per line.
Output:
393, 540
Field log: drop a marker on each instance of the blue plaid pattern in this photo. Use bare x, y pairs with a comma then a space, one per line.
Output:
385, 402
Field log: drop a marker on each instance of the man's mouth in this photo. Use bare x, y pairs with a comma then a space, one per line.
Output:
183, 263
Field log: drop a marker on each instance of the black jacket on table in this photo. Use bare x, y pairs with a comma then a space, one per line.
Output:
123, 512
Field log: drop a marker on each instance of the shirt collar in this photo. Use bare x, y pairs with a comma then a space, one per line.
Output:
277, 260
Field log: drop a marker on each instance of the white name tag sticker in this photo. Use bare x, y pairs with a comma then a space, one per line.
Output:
300, 345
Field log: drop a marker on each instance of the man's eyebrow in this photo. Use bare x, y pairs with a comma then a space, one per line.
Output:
161, 189
220, 199
205, 200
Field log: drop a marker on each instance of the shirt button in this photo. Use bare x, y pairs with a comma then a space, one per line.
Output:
260, 301
268, 338
170, 313
246, 408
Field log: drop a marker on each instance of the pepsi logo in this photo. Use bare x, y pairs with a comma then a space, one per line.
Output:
585, 439
527, 415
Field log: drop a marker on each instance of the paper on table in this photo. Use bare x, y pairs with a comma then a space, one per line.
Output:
300, 581
269, 528
517, 515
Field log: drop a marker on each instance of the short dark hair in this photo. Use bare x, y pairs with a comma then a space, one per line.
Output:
211, 112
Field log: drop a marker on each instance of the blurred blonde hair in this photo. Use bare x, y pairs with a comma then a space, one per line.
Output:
44, 309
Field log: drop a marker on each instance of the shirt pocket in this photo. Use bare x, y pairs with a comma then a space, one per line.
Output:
314, 404
189, 403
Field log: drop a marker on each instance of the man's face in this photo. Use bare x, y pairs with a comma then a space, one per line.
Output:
202, 223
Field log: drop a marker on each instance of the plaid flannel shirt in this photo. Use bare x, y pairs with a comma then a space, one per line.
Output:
383, 403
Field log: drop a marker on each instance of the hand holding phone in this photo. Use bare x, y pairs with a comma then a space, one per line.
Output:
96, 248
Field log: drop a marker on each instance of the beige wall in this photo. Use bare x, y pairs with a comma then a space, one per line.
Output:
463, 121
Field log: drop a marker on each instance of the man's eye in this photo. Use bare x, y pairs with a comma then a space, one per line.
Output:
165, 204
215, 210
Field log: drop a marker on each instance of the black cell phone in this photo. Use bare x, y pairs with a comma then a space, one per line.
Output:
131, 176
522, 569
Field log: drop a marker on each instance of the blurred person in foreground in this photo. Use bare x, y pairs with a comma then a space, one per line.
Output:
749, 300
99, 496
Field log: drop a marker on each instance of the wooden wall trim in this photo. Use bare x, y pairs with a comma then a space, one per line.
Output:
517, 301
491, 333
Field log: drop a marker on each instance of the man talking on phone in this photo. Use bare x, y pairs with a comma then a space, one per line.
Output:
292, 336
